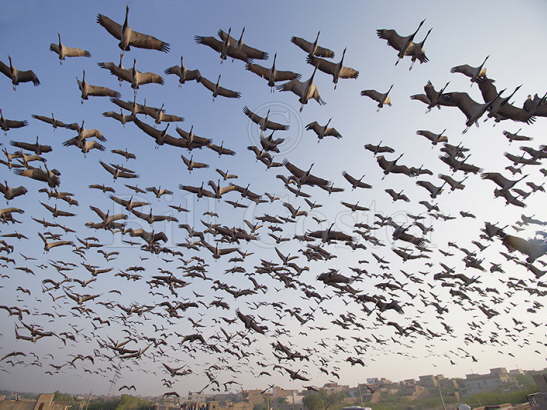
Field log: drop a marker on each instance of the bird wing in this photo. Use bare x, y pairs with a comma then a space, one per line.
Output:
516, 114
220, 90
495, 177
110, 25
120, 201
75, 52
176, 69
15, 123
428, 134
99, 91
293, 169
54, 47
258, 70
276, 126
210, 42
254, 117
333, 132
221, 150
316, 96
375, 95
392, 37
286, 75
349, 178
4, 69
293, 85
307, 46
303, 44
153, 132
427, 185
382, 162
65, 213
28, 76
421, 97
465, 103
141, 40
227, 189
126, 105
100, 213
122, 73
514, 242
348, 72
487, 88
250, 52
207, 83
195, 139
314, 126
326, 66
147, 78
199, 164
193, 75
228, 93
464, 69
43, 118
108, 167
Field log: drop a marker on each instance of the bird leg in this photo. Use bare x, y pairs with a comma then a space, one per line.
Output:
411, 65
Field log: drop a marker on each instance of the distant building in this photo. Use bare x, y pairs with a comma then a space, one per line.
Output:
429, 381
449, 384
476, 383
334, 388
278, 392
538, 401
242, 405
43, 402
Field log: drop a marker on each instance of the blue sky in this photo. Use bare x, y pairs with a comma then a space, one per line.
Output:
463, 33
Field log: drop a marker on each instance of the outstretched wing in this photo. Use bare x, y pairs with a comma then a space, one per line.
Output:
393, 39
141, 40
110, 25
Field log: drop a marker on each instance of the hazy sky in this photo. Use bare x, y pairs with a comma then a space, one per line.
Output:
464, 32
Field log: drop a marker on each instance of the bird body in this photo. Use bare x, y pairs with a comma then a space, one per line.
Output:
128, 37
18, 76
306, 90
63, 51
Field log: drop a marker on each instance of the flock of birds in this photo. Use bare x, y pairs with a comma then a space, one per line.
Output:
301, 264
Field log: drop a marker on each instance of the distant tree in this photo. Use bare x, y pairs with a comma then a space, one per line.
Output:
525, 380
63, 397
314, 401
260, 406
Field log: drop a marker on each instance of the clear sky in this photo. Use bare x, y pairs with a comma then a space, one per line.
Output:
464, 32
